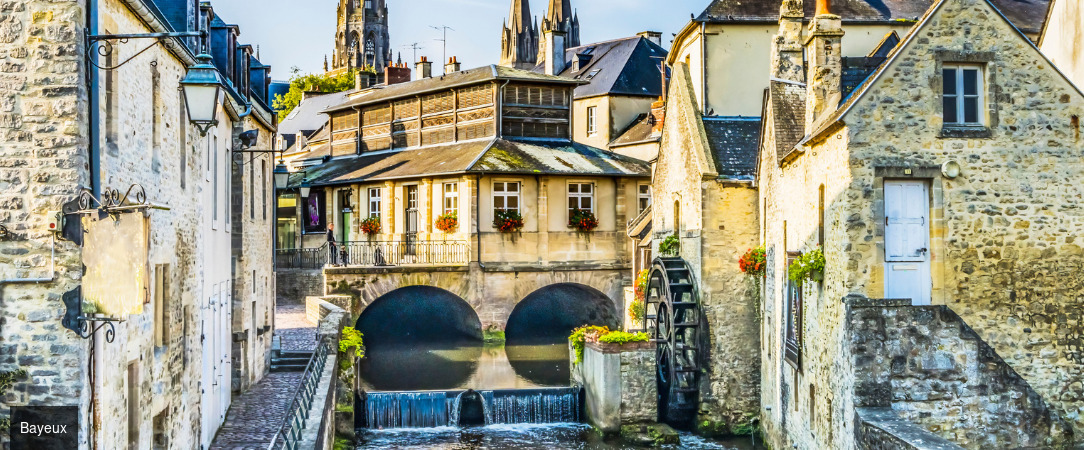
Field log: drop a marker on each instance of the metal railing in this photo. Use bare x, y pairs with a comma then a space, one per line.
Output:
288, 436
301, 258
406, 252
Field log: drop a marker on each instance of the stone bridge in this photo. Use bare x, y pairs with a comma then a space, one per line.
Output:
525, 301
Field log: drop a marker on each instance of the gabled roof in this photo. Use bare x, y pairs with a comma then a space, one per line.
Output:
626, 66
1028, 15
494, 155
734, 143
477, 75
859, 92
640, 131
308, 116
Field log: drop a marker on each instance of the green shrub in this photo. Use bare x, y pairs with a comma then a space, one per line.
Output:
621, 337
351, 338
670, 246
579, 337
808, 266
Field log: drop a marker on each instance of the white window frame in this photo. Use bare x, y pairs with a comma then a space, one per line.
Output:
506, 194
213, 158
374, 198
641, 196
579, 195
592, 118
960, 98
451, 198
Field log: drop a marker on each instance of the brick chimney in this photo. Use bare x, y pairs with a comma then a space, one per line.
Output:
452, 66
363, 80
787, 48
825, 64
424, 68
658, 114
395, 74
555, 52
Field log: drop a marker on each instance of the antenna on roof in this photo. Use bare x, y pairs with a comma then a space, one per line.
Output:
415, 46
444, 40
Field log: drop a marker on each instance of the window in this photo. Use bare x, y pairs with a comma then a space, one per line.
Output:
212, 154
506, 196
133, 405
315, 209
182, 138
368, 4
643, 195
581, 196
374, 202
227, 185
591, 129
451, 198
161, 302
792, 345
962, 96
112, 98
263, 186
251, 191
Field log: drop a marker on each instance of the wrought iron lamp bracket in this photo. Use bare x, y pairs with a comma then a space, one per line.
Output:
101, 45
86, 326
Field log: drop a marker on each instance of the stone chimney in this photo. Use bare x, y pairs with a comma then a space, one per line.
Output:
825, 64
395, 74
424, 68
787, 63
653, 36
452, 66
300, 140
555, 51
363, 80
658, 114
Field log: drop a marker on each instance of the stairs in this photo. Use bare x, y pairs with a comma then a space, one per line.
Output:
288, 361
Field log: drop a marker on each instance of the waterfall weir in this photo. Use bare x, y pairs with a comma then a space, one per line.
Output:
423, 409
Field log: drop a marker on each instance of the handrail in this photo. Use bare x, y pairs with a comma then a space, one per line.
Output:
377, 253
297, 413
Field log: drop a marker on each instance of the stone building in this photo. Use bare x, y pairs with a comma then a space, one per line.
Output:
942, 192
469, 145
523, 40
145, 222
361, 36
1061, 38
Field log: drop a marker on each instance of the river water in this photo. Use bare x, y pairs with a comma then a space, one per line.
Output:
419, 396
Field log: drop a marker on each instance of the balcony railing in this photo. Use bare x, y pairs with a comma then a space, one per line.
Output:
377, 254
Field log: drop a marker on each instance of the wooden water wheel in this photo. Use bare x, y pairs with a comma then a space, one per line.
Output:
675, 322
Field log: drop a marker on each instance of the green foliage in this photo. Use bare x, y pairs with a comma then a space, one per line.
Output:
580, 335
808, 266
621, 337
7, 379
670, 246
637, 310
351, 338
493, 335
507, 220
343, 444
750, 426
299, 84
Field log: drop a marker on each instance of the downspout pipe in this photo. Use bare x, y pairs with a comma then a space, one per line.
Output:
93, 100
478, 218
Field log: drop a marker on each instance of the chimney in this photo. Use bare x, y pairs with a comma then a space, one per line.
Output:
396, 74
787, 63
300, 141
825, 64
362, 80
424, 68
653, 36
658, 114
555, 52
452, 66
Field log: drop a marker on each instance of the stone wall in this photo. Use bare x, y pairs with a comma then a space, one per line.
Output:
619, 381
293, 285
932, 370
883, 429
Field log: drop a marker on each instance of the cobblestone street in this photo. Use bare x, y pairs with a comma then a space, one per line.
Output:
255, 416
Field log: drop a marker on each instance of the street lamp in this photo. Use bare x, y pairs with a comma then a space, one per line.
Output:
305, 188
282, 175
202, 91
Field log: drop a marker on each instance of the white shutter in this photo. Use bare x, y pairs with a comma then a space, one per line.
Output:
906, 221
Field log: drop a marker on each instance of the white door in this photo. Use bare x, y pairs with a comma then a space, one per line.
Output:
907, 241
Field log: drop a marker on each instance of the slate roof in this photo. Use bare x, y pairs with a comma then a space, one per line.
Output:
1028, 15
788, 114
626, 66
495, 155
308, 116
639, 132
734, 142
855, 71
462, 78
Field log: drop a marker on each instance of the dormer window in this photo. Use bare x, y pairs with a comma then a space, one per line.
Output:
962, 98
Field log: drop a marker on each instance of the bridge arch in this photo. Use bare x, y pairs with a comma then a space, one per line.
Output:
550, 313
418, 314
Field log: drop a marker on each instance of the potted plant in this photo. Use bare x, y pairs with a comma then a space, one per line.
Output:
753, 262
670, 246
507, 220
371, 225
447, 222
582, 220
809, 266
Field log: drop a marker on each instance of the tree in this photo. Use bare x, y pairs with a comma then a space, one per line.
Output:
299, 84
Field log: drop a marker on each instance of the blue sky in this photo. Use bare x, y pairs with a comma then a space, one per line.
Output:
300, 32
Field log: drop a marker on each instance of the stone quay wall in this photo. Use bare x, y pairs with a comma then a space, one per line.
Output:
619, 382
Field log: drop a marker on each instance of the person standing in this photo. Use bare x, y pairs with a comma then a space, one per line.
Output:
332, 254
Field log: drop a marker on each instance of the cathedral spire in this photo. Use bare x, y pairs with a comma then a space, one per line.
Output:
519, 38
560, 17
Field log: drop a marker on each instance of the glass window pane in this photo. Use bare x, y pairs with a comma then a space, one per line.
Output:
971, 110
950, 109
949, 76
586, 203
971, 81
513, 187
498, 202
573, 188
644, 188
513, 202
585, 188
572, 203
498, 187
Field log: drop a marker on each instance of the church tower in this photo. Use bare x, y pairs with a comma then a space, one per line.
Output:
361, 36
560, 17
519, 38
